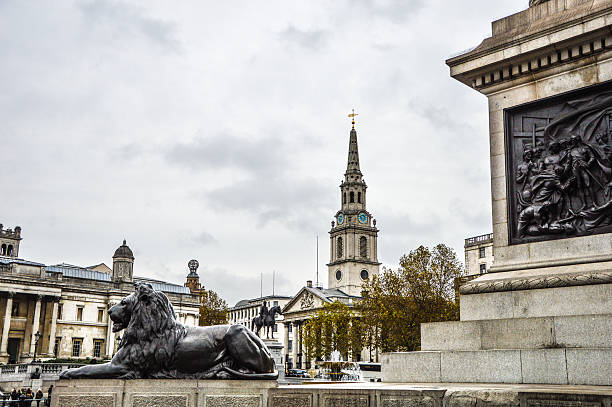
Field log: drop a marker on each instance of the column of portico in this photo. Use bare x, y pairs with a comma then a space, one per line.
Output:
7, 324
110, 335
286, 355
36, 323
294, 350
53, 326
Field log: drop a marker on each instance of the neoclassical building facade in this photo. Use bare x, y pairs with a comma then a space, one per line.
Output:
353, 260
60, 311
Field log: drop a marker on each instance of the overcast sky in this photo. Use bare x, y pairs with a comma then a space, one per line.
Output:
218, 130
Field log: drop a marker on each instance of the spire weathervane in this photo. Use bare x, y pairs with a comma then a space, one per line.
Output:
352, 116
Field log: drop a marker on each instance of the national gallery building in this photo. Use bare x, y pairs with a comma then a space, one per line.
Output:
60, 311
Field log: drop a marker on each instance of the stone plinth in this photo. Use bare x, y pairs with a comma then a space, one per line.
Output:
276, 350
543, 314
174, 393
161, 393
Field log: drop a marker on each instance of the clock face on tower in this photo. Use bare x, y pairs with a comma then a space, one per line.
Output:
363, 218
340, 219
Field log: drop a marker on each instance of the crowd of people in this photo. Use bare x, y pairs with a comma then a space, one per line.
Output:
27, 398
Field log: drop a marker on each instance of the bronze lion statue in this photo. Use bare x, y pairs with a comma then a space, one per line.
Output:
155, 345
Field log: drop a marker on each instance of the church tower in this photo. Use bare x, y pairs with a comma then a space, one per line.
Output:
354, 250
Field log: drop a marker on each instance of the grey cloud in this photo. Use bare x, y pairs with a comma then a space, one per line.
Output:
298, 203
314, 39
123, 19
396, 11
227, 151
204, 238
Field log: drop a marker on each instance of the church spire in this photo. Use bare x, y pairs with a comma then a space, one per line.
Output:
352, 166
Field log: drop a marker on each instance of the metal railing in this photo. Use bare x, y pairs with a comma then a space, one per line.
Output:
5, 401
47, 371
472, 241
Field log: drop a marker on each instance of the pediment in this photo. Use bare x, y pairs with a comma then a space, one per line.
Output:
305, 300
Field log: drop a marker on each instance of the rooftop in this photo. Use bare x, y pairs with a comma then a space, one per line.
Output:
476, 240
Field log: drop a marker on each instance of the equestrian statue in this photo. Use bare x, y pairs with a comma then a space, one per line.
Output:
267, 319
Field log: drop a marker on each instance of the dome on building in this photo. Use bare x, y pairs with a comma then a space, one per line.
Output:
124, 251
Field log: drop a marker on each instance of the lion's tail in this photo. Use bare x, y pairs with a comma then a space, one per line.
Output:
257, 376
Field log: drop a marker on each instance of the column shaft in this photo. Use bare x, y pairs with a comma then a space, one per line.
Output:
7, 324
294, 349
35, 324
110, 335
53, 328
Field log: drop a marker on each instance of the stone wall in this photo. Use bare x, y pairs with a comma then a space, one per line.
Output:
229, 393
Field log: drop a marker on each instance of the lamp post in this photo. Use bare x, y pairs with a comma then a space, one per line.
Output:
37, 335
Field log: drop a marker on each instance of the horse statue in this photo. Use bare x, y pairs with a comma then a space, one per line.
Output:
266, 319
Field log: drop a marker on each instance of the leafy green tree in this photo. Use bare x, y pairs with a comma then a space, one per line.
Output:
213, 309
333, 327
396, 302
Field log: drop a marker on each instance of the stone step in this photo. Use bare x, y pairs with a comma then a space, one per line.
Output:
581, 331
530, 366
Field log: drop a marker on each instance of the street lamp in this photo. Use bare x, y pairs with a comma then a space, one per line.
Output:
37, 335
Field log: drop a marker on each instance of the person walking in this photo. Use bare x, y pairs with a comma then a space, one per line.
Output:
39, 397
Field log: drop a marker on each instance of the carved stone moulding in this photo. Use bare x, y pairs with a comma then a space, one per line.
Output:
559, 166
547, 59
515, 284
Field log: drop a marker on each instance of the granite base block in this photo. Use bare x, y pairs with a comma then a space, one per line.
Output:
161, 393
586, 366
577, 331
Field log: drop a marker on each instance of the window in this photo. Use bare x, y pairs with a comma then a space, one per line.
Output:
98, 344
483, 268
56, 346
15, 309
338, 275
9, 251
76, 347
276, 303
481, 252
3, 247
290, 345
363, 246
60, 308
79, 316
290, 328
344, 198
340, 247
358, 197
352, 195
364, 274
100, 314
275, 329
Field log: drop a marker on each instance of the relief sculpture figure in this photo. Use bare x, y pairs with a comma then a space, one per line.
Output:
562, 175
155, 345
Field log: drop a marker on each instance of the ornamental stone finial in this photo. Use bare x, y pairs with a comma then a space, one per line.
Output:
536, 2
193, 265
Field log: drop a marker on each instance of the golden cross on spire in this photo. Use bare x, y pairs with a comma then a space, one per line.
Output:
352, 116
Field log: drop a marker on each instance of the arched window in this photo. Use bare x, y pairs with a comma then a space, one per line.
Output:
344, 198
363, 246
9, 250
352, 197
339, 248
358, 197
3, 250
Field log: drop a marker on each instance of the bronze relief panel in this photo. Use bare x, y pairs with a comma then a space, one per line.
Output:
559, 166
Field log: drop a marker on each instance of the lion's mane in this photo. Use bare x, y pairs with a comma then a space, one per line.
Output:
152, 334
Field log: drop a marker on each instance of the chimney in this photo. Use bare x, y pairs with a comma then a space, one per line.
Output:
309, 283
